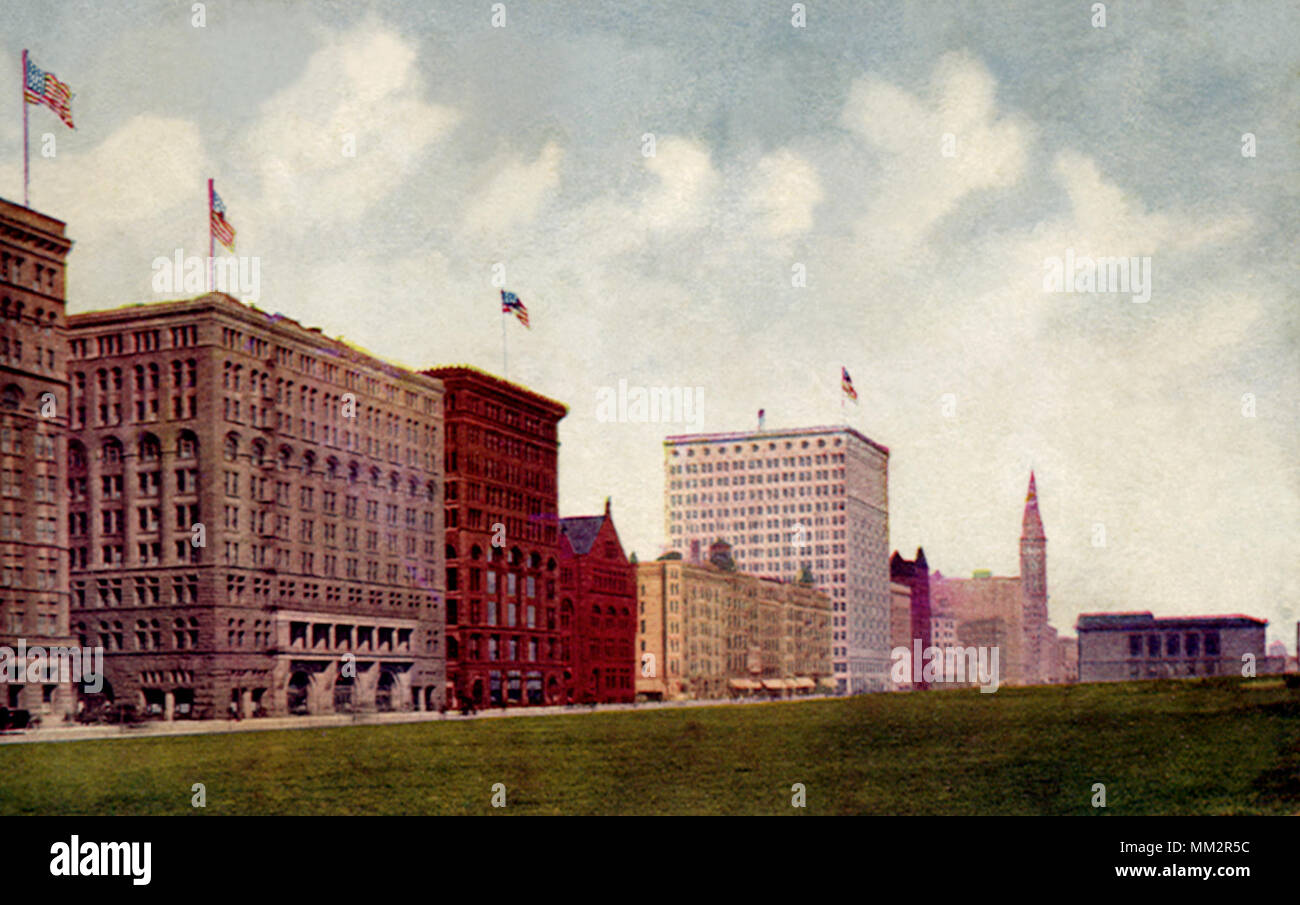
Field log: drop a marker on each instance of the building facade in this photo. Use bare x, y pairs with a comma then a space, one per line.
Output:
708, 630
1117, 647
1039, 642
912, 616
254, 514
33, 450
509, 631
789, 500
1009, 612
595, 574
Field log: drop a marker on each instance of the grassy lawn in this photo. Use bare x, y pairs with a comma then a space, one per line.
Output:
1199, 747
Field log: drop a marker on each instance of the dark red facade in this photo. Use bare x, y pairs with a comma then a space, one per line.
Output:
508, 630
595, 573
916, 575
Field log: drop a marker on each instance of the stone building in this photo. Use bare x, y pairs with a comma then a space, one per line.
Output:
596, 575
1116, 647
1069, 659
509, 631
812, 498
707, 630
254, 514
1008, 612
33, 450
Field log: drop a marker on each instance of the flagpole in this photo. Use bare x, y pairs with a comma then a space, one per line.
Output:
212, 250
23, 97
505, 360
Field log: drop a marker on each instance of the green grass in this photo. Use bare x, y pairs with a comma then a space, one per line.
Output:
1197, 747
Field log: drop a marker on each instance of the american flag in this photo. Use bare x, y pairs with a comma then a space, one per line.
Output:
846, 383
511, 302
221, 227
42, 87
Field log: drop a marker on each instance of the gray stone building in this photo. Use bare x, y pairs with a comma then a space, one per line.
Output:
1117, 647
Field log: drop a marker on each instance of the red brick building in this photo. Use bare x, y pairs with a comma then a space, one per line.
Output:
596, 575
508, 629
915, 575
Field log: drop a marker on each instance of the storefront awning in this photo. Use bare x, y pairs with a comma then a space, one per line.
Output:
803, 682
745, 683
774, 684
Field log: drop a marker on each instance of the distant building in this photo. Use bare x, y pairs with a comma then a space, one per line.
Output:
1117, 647
786, 500
595, 574
1276, 660
910, 616
1009, 612
1069, 653
706, 630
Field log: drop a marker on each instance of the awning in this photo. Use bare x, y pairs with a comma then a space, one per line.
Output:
745, 683
828, 681
774, 684
803, 682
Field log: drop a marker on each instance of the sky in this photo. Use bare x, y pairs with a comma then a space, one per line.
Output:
724, 198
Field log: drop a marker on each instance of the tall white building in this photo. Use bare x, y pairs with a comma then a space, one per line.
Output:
814, 497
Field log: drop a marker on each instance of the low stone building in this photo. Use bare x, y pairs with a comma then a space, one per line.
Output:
706, 630
1116, 647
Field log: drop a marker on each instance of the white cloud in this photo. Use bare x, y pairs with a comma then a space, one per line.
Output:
362, 87
687, 184
919, 185
515, 194
146, 168
784, 190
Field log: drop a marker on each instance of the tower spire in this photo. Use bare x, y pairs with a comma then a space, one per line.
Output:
1031, 527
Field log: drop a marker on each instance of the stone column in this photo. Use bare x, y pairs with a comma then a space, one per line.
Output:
169, 705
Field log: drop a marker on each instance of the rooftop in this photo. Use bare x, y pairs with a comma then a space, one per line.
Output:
1145, 620
750, 436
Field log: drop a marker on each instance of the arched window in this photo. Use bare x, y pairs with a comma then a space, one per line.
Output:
285, 459
187, 445
76, 456
231, 447
451, 552
150, 449
111, 451
12, 397
258, 450
309, 462
331, 468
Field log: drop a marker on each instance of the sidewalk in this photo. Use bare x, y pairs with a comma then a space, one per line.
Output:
154, 728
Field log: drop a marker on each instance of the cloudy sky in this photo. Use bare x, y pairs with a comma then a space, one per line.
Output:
917, 163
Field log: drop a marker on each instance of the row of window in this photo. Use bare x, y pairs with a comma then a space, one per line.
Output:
1175, 644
